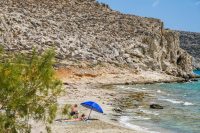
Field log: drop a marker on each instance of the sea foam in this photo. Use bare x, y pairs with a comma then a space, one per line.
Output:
174, 101
125, 121
187, 103
149, 112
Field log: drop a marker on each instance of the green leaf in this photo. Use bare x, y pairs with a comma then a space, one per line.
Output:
28, 90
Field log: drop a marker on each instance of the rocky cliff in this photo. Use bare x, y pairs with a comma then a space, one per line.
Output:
190, 41
89, 32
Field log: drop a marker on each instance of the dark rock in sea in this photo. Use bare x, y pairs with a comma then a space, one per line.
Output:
189, 80
114, 119
156, 106
194, 80
117, 110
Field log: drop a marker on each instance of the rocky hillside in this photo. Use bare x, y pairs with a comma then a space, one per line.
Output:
84, 31
190, 41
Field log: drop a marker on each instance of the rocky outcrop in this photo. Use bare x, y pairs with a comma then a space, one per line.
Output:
190, 41
86, 31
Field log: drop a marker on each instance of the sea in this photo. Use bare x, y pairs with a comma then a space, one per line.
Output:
181, 113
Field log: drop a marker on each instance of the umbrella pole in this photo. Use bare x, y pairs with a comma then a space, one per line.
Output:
89, 113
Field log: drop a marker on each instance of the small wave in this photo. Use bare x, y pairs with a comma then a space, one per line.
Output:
124, 120
136, 89
149, 112
159, 91
177, 102
141, 118
172, 101
187, 103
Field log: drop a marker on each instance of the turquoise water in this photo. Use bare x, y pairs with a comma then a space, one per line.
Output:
197, 72
181, 113
185, 99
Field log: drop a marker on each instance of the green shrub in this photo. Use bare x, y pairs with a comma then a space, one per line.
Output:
28, 91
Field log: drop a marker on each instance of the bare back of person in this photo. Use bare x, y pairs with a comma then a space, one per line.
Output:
74, 110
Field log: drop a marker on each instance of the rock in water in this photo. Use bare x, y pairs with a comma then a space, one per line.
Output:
156, 106
117, 110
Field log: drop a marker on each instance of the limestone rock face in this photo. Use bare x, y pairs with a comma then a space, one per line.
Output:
190, 41
84, 30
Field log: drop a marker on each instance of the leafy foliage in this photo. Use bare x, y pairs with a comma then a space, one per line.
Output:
28, 91
66, 111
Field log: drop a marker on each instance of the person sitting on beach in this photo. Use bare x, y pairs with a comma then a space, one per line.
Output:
81, 118
74, 110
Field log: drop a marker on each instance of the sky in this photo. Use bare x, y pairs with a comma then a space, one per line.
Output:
176, 14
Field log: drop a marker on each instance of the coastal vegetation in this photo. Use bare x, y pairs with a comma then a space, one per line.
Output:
28, 90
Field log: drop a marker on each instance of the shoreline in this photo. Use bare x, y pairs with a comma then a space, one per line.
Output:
82, 84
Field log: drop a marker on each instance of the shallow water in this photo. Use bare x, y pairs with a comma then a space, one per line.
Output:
181, 113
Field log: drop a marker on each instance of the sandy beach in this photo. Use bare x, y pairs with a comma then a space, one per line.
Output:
101, 123
82, 84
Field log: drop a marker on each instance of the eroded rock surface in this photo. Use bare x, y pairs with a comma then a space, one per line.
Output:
190, 41
86, 31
